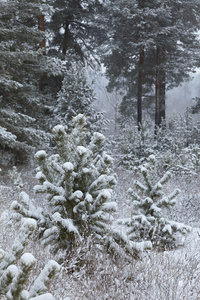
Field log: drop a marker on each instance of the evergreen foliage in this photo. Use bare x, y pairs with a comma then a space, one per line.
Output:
21, 64
135, 145
77, 30
175, 145
148, 204
77, 96
15, 269
78, 181
150, 42
35, 79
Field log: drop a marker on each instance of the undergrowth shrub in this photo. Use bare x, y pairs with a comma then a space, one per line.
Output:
175, 144
78, 183
16, 278
148, 203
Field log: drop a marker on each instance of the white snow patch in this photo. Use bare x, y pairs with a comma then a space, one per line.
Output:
28, 259
59, 129
110, 206
155, 208
30, 223
85, 170
141, 246
67, 223
12, 270
40, 176
56, 216
40, 154
2, 254
14, 205
24, 197
38, 188
25, 295
47, 296
81, 150
89, 198
106, 194
76, 195
59, 199
43, 279
79, 117
68, 166
99, 136
167, 228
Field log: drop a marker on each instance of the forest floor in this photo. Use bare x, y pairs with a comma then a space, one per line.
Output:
167, 275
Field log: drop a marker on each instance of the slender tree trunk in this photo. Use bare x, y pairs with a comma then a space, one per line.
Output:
157, 87
66, 36
41, 26
160, 88
140, 81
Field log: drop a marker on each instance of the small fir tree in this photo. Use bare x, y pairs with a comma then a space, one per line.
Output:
178, 133
148, 201
78, 181
135, 145
15, 268
77, 96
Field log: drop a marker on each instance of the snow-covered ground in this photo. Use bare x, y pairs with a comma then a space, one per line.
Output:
168, 275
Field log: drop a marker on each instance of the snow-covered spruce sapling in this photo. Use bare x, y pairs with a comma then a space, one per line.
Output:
15, 176
77, 96
15, 268
136, 145
148, 201
78, 182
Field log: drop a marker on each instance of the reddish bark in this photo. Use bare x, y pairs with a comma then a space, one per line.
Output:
41, 26
160, 86
140, 81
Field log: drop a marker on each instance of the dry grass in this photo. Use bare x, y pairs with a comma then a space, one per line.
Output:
170, 275
165, 276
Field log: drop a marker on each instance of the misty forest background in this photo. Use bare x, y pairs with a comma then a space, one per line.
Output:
99, 149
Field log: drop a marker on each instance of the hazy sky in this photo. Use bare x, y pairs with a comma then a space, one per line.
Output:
178, 99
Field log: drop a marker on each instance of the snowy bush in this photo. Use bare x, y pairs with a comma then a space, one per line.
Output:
78, 183
186, 162
159, 275
135, 145
148, 202
176, 145
15, 176
77, 96
15, 269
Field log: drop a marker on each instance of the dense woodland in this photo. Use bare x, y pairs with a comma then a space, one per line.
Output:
105, 214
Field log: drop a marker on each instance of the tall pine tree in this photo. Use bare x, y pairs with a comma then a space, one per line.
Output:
21, 63
149, 41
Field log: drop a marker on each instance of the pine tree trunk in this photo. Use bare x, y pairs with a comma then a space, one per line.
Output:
162, 96
140, 80
157, 88
66, 36
41, 26
160, 88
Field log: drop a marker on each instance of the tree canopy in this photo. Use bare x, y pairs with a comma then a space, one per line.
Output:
153, 46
